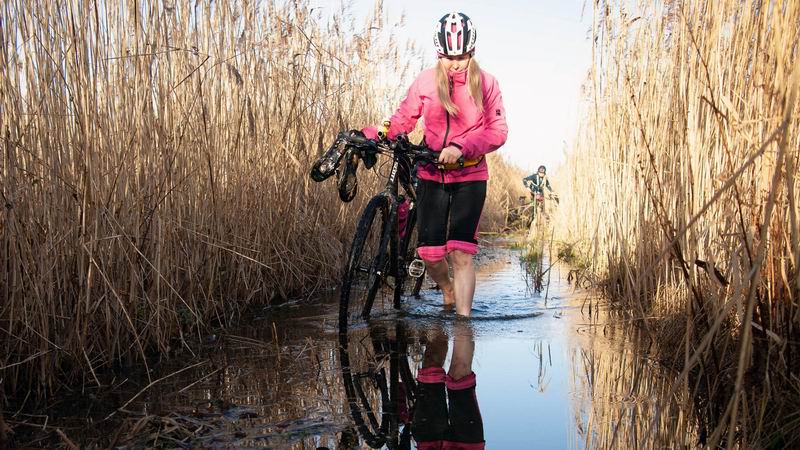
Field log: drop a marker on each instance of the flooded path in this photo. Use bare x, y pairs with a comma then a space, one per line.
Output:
547, 375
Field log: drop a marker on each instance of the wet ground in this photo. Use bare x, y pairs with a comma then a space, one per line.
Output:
550, 372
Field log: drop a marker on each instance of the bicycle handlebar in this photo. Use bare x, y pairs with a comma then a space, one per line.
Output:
339, 159
418, 153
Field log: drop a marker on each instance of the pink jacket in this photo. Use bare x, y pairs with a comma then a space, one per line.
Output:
475, 132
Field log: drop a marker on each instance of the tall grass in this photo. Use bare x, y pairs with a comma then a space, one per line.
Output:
504, 188
683, 185
154, 169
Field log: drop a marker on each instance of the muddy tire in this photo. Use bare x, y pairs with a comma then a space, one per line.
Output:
366, 382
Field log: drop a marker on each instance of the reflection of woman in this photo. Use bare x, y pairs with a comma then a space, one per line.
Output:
437, 425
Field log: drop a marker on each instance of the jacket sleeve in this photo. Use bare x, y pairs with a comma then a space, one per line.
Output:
404, 120
494, 132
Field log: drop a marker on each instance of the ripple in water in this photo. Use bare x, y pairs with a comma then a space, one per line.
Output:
500, 295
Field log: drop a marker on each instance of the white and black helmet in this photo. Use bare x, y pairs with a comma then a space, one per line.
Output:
455, 35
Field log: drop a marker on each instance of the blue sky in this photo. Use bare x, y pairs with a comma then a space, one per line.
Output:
540, 52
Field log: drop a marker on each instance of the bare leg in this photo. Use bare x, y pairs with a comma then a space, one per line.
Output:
440, 273
463, 281
466, 424
463, 350
436, 349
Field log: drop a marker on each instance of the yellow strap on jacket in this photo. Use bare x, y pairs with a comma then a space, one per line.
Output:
467, 163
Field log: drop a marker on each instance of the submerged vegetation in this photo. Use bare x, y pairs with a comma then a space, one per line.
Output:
691, 145
154, 170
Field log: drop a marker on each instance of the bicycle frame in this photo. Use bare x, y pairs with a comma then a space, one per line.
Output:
396, 180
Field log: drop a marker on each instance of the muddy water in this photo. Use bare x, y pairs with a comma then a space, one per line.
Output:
548, 374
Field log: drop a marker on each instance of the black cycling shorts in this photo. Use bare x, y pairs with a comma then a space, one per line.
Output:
447, 217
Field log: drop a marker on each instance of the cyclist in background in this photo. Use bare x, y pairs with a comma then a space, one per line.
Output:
464, 117
538, 181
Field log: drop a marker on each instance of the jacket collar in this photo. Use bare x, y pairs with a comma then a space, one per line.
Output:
458, 78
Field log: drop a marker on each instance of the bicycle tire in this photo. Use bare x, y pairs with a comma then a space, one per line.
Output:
365, 272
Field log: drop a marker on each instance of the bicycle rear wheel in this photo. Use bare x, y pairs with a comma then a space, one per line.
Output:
364, 288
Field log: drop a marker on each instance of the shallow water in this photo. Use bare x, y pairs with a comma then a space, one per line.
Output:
548, 375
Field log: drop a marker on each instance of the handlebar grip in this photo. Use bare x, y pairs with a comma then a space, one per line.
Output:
426, 156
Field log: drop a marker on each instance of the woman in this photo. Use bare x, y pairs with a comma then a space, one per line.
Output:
464, 117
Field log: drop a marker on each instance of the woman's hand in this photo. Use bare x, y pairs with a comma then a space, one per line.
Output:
450, 155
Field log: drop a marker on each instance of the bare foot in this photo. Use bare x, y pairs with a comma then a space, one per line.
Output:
449, 295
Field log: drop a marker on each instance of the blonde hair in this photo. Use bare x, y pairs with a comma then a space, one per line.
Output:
473, 81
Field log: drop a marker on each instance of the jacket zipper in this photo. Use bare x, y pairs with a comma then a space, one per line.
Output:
447, 116
447, 132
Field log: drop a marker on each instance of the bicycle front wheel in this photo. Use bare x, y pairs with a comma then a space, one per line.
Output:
364, 288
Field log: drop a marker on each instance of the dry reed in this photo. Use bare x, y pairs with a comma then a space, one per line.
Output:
683, 185
154, 169
505, 187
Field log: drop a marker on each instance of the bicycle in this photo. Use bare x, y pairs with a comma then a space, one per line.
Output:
380, 250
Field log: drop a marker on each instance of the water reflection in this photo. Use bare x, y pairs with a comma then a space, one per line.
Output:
446, 414
399, 393
552, 375
623, 397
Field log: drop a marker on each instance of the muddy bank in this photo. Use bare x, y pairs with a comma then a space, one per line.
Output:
552, 371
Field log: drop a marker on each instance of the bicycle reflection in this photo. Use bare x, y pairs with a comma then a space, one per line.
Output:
398, 389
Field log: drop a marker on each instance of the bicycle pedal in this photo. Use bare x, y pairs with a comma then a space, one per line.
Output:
416, 268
